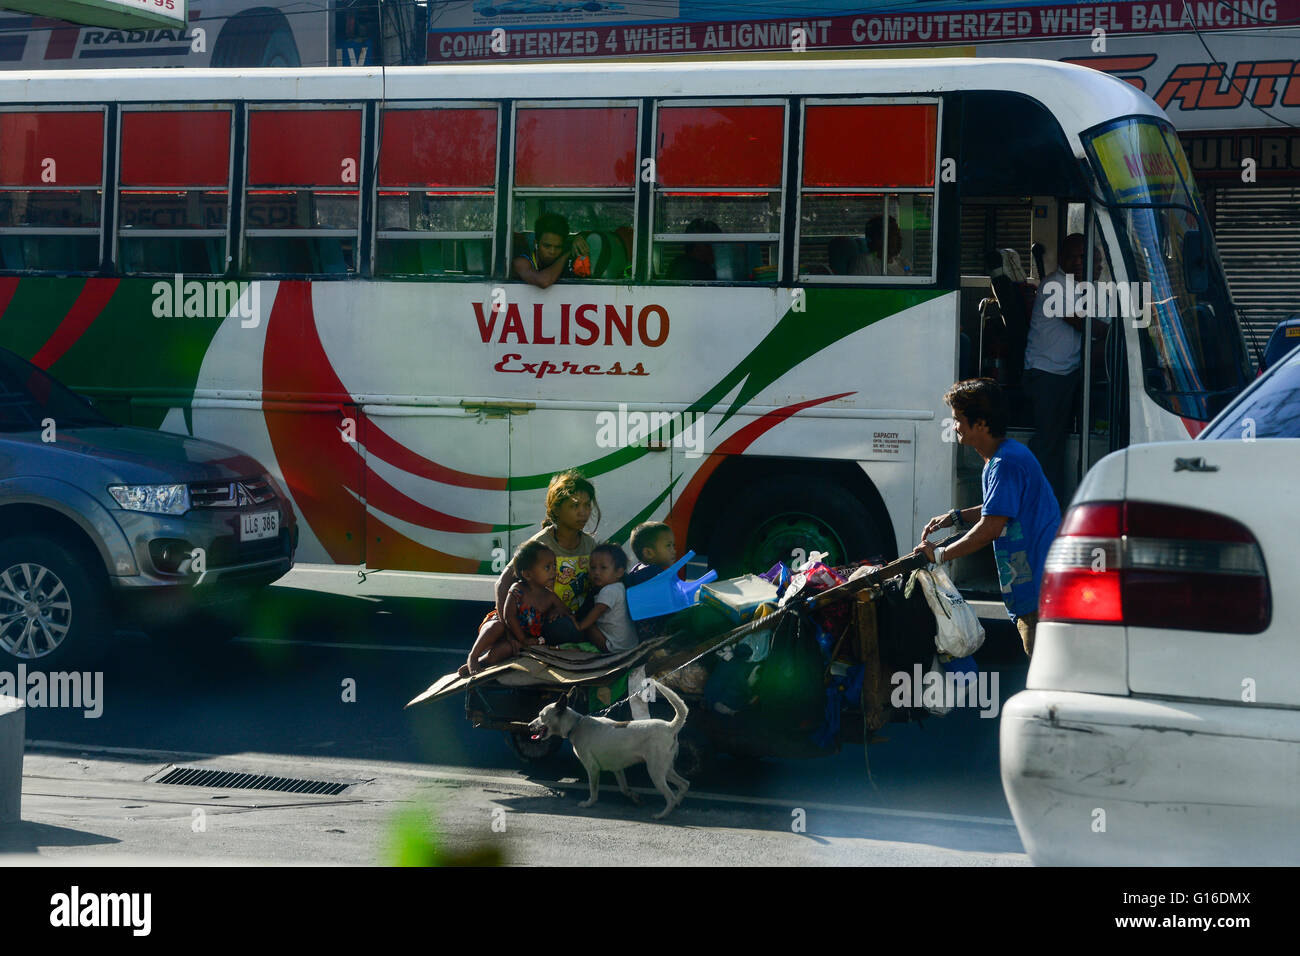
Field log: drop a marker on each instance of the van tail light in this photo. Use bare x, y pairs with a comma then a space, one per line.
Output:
1143, 564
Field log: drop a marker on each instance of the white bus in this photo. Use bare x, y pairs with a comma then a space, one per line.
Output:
414, 398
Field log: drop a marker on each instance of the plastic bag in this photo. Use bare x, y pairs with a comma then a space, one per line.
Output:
960, 632
940, 709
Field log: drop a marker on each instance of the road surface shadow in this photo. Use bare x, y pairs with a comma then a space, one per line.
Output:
702, 812
28, 837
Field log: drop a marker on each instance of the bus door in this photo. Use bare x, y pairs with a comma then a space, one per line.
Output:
1098, 427
436, 492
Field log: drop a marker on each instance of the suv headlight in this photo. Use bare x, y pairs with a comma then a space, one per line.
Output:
155, 499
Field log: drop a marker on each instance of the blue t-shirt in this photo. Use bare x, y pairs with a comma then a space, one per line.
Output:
1016, 488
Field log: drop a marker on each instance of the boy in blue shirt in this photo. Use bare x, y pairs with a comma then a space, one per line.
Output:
1019, 514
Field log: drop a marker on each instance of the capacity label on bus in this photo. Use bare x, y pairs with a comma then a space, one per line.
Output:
890, 443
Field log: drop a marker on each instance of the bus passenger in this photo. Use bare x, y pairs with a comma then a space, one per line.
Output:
1053, 363
547, 260
570, 500
869, 263
1019, 514
696, 263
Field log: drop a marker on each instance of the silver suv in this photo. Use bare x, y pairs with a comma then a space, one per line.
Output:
104, 524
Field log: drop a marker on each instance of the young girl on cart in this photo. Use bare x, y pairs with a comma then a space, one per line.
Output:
570, 501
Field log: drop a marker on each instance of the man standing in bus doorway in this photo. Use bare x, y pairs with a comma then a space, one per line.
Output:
547, 260
1053, 359
1019, 514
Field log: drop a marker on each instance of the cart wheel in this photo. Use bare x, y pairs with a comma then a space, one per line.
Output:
531, 751
695, 755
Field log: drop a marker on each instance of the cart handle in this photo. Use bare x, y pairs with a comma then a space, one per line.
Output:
911, 562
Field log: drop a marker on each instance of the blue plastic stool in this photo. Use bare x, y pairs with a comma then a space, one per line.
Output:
666, 593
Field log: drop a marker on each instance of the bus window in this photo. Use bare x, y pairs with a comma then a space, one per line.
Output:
174, 191
51, 190
579, 163
301, 210
436, 213
717, 192
868, 191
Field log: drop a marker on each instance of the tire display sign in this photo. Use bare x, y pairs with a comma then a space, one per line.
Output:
109, 13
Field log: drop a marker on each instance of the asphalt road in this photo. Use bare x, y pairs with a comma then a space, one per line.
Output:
322, 679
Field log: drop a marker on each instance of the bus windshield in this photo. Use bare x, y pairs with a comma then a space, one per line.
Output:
1193, 356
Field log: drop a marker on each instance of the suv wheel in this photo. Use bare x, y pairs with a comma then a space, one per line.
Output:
53, 605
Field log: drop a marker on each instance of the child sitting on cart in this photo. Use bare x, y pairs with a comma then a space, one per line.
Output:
655, 548
531, 603
607, 624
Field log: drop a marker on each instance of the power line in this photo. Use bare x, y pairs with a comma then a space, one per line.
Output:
1233, 81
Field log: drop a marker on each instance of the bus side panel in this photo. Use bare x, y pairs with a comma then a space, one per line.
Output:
631, 479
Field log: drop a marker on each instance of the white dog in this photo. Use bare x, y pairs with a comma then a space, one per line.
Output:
604, 744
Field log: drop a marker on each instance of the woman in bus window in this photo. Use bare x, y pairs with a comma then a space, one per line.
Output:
547, 260
869, 263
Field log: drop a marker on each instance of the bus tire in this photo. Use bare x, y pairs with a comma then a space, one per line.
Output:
786, 518
257, 37
70, 591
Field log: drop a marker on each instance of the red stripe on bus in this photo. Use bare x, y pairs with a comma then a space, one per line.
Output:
1193, 427
380, 494
311, 374
328, 476
8, 286
90, 303
679, 518
385, 447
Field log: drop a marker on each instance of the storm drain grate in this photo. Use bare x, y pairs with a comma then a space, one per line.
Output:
232, 780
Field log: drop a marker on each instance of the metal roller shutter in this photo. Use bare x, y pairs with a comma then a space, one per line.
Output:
985, 227
1257, 230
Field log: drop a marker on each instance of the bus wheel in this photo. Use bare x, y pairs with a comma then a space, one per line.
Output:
786, 518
